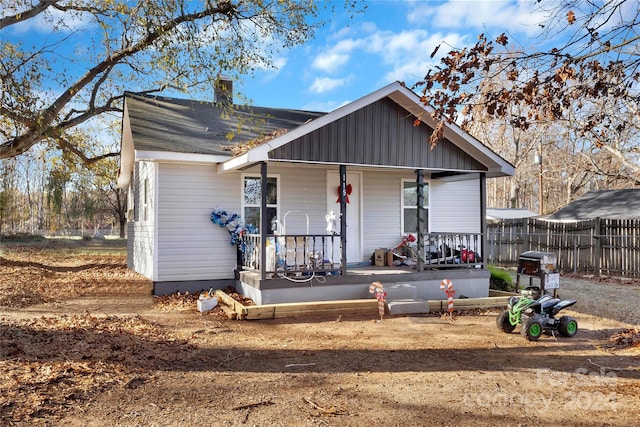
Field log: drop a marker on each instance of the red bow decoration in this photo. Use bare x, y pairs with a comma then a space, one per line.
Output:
349, 190
409, 238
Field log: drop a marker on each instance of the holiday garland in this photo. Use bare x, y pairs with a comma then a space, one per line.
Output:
234, 225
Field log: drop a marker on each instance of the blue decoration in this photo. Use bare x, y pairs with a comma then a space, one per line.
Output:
234, 225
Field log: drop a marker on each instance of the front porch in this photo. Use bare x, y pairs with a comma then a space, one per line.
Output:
302, 268
468, 282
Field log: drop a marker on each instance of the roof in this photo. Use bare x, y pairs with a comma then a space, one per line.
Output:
188, 126
504, 213
611, 204
170, 129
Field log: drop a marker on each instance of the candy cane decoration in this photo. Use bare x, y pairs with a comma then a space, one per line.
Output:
376, 287
447, 287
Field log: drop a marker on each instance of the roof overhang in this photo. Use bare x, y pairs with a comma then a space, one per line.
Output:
496, 165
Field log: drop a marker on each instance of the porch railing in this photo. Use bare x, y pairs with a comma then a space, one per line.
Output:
448, 250
293, 254
303, 255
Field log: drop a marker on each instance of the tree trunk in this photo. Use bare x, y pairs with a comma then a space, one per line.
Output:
123, 226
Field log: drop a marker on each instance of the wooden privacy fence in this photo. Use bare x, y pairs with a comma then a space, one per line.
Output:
599, 246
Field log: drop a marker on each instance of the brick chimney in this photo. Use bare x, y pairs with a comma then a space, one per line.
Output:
223, 91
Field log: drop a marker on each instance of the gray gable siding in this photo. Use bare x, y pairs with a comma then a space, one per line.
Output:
379, 134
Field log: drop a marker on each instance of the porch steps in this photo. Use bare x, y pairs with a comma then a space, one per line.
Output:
403, 299
407, 306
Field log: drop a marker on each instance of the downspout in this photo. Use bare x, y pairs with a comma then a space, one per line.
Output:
263, 220
343, 220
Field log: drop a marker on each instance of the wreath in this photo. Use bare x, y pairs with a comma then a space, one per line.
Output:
349, 190
234, 225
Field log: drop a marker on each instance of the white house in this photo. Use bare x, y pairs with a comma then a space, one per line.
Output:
369, 163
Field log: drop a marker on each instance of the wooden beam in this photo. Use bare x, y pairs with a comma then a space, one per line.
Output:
483, 219
230, 312
228, 300
343, 219
420, 218
469, 303
263, 220
317, 308
345, 307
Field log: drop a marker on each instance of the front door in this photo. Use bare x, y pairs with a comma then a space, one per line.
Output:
354, 226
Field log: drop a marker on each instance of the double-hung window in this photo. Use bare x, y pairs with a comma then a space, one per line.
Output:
410, 207
252, 197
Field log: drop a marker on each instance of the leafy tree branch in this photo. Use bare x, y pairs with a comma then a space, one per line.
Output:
127, 46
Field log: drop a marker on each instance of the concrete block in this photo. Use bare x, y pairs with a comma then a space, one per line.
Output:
408, 306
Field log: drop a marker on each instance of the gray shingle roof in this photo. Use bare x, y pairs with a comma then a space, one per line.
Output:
508, 213
612, 204
188, 126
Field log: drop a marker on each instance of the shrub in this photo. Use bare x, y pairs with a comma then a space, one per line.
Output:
26, 237
501, 279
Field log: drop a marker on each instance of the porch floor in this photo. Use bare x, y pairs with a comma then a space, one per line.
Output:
355, 274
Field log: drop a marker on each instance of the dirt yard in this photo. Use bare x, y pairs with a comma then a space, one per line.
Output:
82, 343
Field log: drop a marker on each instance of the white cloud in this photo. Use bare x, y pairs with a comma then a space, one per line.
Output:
330, 61
324, 105
326, 84
47, 21
404, 53
520, 16
332, 58
269, 74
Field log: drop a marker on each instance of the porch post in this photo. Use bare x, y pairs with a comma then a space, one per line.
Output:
483, 217
264, 226
343, 219
420, 222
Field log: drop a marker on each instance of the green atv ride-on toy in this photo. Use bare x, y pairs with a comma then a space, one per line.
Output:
537, 315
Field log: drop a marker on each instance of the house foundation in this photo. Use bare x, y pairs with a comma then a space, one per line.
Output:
469, 283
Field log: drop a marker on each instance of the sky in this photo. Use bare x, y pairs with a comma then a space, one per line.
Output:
391, 41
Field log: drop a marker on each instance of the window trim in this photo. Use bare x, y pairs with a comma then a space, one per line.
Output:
427, 183
146, 199
244, 205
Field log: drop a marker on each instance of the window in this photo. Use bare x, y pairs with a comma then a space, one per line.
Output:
130, 204
145, 204
410, 207
252, 197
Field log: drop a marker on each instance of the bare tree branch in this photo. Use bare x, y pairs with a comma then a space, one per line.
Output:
43, 125
27, 14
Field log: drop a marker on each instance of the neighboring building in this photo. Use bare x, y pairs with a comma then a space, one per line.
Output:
609, 204
499, 214
177, 163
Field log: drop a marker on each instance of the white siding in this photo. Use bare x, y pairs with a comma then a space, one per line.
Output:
382, 209
303, 189
190, 246
141, 236
455, 206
